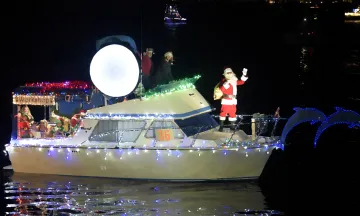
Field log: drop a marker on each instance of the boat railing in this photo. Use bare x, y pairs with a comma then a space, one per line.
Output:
260, 123
196, 135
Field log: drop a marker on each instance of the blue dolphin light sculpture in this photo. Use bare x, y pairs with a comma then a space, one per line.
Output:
341, 116
301, 115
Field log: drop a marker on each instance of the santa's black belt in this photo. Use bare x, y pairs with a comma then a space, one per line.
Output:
229, 96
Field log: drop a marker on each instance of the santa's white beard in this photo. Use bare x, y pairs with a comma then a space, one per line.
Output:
232, 79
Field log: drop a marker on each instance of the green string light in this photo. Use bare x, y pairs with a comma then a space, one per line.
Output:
174, 86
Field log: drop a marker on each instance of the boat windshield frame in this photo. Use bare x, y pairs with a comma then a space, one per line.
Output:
196, 124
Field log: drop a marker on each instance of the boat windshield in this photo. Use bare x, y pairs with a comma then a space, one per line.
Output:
197, 124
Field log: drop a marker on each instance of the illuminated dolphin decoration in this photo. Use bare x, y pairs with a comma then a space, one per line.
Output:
341, 116
301, 115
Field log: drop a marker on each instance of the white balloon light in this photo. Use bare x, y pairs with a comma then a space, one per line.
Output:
114, 70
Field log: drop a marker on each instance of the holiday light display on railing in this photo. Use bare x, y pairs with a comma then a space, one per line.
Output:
58, 143
67, 90
104, 116
126, 153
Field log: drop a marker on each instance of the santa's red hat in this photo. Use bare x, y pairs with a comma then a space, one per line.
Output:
82, 112
227, 70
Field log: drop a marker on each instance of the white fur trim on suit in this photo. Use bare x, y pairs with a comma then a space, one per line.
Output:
228, 70
244, 78
232, 119
234, 86
229, 101
222, 118
226, 85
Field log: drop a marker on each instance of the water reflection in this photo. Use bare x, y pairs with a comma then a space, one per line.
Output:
33, 194
352, 60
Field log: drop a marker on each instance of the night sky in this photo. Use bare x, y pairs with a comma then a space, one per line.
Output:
55, 41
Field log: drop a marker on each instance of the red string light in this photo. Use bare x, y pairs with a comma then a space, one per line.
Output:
48, 86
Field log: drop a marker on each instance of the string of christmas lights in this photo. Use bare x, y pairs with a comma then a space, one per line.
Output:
122, 153
49, 142
104, 116
49, 86
177, 152
262, 118
56, 92
174, 86
70, 90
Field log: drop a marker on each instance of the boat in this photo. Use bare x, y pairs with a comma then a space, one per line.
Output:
354, 15
166, 133
162, 136
172, 16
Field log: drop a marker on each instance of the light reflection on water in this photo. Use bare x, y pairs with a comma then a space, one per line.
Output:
33, 194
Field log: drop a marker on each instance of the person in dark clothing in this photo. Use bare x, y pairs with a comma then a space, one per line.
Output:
146, 67
164, 74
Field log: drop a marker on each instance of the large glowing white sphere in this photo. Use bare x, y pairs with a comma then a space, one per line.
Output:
114, 70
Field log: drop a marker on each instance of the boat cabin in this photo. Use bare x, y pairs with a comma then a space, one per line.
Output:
161, 120
165, 115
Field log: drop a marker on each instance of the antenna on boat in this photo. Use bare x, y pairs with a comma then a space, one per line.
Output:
141, 56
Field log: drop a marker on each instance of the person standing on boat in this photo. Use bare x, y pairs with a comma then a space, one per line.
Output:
228, 88
26, 114
146, 67
76, 120
163, 74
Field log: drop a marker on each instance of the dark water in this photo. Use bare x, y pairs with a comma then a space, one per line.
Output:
54, 195
287, 68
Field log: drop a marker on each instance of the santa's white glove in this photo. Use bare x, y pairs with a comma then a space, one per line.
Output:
244, 72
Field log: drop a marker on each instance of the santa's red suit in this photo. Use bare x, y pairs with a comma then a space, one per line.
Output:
229, 90
24, 127
76, 118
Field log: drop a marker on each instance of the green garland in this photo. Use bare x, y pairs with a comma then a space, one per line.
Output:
173, 86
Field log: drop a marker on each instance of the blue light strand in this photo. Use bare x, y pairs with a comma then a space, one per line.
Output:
341, 116
128, 116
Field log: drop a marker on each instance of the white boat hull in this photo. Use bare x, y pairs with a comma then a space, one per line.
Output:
147, 164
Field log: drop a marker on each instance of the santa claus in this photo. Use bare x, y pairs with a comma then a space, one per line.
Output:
76, 119
228, 91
